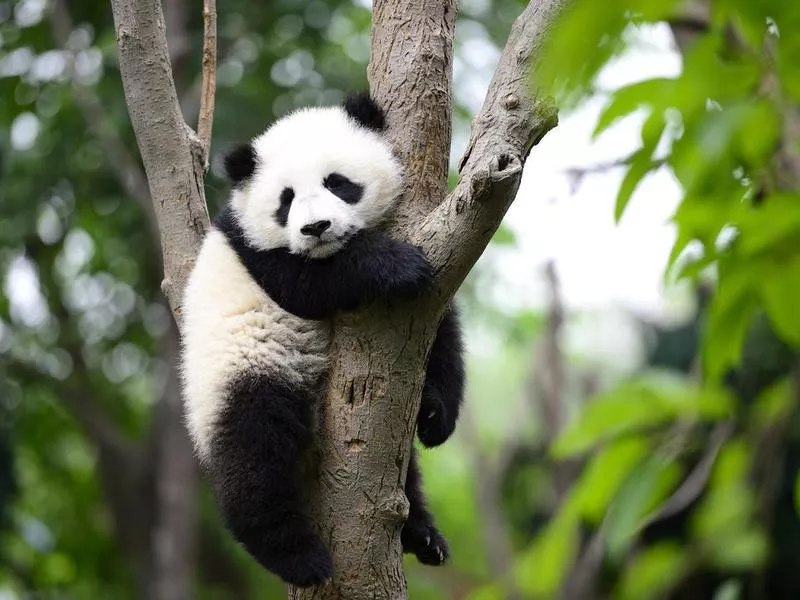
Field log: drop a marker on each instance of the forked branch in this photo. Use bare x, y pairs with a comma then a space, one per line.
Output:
511, 121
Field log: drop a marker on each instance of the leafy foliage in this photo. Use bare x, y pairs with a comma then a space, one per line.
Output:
671, 469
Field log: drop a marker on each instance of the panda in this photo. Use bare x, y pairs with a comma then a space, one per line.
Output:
295, 245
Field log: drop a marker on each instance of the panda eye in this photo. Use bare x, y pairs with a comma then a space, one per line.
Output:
282, 214
347, 190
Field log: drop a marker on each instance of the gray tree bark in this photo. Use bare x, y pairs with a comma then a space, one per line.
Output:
379, 353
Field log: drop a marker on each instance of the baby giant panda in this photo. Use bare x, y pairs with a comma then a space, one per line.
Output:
295, 245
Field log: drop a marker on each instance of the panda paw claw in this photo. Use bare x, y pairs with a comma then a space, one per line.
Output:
425, 541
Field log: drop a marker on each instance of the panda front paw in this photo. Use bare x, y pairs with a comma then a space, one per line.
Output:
423, 540
307, 566
434, 425
413, 274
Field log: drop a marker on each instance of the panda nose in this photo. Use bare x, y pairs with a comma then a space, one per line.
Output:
315, 229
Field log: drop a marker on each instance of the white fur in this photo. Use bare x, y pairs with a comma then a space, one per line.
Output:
231, 326
298, 152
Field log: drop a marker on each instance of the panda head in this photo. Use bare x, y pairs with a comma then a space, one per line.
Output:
315, 178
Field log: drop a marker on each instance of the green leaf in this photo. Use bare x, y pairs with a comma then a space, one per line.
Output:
653, 571
681, 242
542, 568
725, 512
606, 472
729, 318
773, 404
771, 225
703, 217
640, 165
641, 162
733, 461
628, 99
647, 486
693, 269
703, 158
780, 292
759, 132
651, 399
746, 550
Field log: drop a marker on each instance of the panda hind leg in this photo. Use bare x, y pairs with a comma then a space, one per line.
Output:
420, 535
258, 443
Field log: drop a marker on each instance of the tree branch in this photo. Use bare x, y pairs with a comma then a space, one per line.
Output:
171, 152
411, 74
206, 119
511, 121
695, 483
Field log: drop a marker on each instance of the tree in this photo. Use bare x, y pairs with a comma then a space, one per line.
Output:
378, 354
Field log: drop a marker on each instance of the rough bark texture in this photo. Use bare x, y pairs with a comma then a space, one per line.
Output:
378, 354
171, 152
410, 74
510, 122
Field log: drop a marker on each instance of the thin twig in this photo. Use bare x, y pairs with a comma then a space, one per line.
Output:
206, 120
695, 483
553, 373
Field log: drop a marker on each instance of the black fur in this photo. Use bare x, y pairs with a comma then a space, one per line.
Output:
443, 392
240, 163
420, 536
282, 214
365, 111
370, 266
342, 187
257, 446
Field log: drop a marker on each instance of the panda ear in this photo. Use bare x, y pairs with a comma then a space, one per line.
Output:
240, 163
365, 111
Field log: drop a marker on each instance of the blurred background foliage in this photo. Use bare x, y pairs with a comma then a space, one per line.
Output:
568, 478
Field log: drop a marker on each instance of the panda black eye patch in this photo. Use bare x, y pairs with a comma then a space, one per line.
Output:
341, 186
282, 214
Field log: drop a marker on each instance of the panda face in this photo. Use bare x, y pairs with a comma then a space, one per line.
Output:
312, 180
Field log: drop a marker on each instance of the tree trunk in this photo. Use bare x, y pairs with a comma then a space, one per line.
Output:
378, 354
